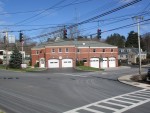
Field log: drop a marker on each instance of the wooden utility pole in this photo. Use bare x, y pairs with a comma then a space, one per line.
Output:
6, 45
138, 18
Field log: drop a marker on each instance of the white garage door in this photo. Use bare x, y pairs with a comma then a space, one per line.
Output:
94, 62
67, 63
112, 62
53, 63
104, 63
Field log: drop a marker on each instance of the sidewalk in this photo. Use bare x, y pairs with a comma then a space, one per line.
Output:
117, 68
126, 79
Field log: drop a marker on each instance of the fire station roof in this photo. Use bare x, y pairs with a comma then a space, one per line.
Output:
63, 43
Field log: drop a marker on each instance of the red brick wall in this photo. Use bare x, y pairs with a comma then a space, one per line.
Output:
84, 53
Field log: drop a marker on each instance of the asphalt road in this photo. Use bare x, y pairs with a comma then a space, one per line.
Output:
57, 91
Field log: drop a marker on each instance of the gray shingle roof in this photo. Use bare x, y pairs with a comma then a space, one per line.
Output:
134, 50
77, 43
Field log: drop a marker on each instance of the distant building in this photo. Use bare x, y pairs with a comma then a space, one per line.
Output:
3, 55
130, 55
63, 54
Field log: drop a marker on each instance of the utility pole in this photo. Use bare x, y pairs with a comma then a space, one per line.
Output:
6, 44
75, 42
138, 18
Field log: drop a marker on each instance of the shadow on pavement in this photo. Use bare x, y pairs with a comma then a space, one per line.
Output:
60, 70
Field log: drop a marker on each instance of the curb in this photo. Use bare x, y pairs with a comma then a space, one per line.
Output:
127, 80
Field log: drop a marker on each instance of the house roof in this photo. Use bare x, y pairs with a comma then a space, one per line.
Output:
128, 50
90, 43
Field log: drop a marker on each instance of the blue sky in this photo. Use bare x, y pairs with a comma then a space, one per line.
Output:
60, 14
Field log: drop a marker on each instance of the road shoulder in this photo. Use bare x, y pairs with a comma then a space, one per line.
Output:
127, 80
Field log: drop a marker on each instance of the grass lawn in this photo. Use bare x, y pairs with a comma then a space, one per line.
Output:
28, 69
2, 67
86, 68
2, 111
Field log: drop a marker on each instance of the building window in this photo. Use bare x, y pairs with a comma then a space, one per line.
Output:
122, 50
94, 50
126, 56
1, 52
67, 50
103, 50
60, 50
84, 60
78, 50
37, 52
53, 50
112, 50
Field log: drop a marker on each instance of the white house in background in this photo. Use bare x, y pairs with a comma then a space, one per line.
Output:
3, 55
130, 54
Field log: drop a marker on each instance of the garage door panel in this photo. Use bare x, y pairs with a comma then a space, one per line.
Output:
67, 63
104, 63
112, 62
94, 62
53, 63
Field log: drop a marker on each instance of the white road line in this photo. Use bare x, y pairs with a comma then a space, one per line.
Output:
148, 93
109, 108
116, 104
137, 97
130, 99
92, 110
132, 106
138, 101
123, 101
145, 96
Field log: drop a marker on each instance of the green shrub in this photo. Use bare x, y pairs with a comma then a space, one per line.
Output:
1, 61
79, 63
145, 61
37, 64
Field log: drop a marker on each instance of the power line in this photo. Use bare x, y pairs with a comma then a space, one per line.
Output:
96, 17
58, 3
86, 21
121, 27
38, 10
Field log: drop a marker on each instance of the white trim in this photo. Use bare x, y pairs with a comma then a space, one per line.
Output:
37, 48
95, 52
58, 46
98, 47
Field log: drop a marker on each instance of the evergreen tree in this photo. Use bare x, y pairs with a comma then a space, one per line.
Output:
15, 59
132, 40
116, 39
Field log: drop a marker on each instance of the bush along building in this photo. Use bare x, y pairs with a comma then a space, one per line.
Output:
66, 54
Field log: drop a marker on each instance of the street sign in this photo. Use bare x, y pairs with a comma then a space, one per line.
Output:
11, 38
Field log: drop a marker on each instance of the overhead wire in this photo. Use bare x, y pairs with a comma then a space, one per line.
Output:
58, 3
116, 21
96, 17
106, 13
